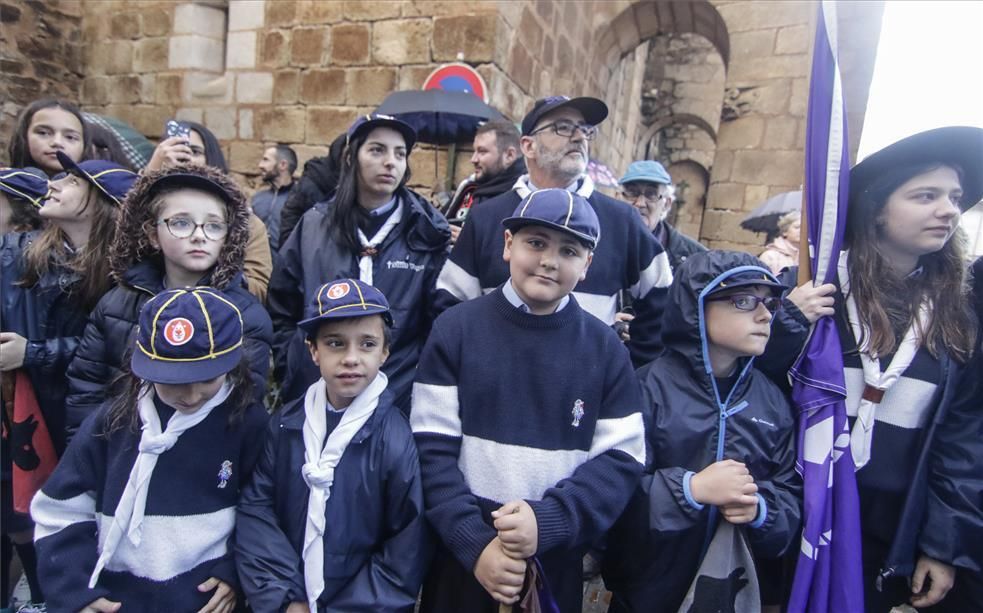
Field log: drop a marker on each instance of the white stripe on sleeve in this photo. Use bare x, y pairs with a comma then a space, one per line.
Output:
435, 410
657, 274
458, 282
626, 434
52, 515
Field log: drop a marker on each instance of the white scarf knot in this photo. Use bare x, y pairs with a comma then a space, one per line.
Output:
369, 250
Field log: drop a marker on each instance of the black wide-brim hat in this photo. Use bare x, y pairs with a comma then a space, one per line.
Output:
960, 146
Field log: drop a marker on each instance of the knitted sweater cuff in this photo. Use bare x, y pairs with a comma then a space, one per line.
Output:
552, 524
469, 540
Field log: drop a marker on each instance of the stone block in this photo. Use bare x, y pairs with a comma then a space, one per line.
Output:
324, 124
350, 44
368, 86
472, 35
751, 45
520, 66
189, 114
124, 89
148, 119
274, 49
322, 86
244, 155
168, 89
284, 124
366, 10
148, 88
119, 56
744, 16
280, 13
95, 90
195, 52
798, 101
310, 12
150, 54
725, 195
286, 86
221, 121
564, 56
780, 133
771, 97
125, 25
307, 45
200, 19
794, 39
755, 167
306, 152
401, 41
723, 225
742, 133
245, 124
769, 67
206, 88
155, 21
246, 15
754, 195
530, 30
254, 87
442, 8
412, 77
240, 50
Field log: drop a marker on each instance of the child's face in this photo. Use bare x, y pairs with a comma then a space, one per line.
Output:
189, 209
53, 129
67, 201
736, 333
545, 265
187, 398
349, 353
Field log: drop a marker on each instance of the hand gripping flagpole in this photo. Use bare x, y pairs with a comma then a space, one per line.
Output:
828, 574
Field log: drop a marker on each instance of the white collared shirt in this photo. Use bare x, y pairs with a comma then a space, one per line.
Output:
513, 297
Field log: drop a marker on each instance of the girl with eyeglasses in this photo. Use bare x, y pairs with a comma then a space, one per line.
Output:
183, 226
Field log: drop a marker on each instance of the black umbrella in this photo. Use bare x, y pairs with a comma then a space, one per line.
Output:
439, 117
765, 217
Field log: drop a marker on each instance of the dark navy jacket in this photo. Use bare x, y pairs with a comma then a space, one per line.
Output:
405, 270
377, 544
111, 331
51, 321
654, 549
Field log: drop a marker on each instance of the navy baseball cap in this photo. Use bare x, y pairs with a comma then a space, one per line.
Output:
366, 123
755, 275
646, 170
558, 209
344, 298
186, 336
593, 110
109, 177
28, 183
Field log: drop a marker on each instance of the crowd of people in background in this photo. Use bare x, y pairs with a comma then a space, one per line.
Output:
339, 395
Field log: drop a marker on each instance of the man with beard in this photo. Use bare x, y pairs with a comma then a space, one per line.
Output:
497, 161
629, 261
277, 167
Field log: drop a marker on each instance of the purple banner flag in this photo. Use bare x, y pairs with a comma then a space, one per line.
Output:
828, 575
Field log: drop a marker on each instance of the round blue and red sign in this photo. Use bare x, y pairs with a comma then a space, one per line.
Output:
457, 78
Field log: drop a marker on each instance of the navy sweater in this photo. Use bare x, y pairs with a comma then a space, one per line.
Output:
187, 526
556, 422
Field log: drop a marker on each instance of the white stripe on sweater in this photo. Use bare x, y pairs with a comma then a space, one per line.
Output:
625, 434
458, 282
171, 545
436, 410
656, 274
52, 515
600, 306
905, 404
502, 472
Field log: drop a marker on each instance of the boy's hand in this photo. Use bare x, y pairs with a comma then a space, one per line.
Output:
940, 576
726, 482
298, 607
500, 575
739, 513
102, 605
517, 529
222, 601
622, 325
813, 301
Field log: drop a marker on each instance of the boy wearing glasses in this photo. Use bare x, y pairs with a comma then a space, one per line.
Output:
555, 140
720, 438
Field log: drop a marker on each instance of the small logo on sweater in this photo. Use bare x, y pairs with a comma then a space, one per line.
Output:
578, 413
178, 331
224, 474
339, 291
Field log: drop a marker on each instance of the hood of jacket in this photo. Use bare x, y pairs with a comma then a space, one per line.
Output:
426, 228
683, 323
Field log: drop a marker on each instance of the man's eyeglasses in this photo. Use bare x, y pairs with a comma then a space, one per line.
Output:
566, 129
749, 302
182, 227
650, 195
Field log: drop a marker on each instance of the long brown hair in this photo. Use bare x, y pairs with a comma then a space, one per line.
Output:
20, 151
91, 262
887, 304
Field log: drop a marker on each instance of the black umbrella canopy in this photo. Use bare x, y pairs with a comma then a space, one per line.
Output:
765, 217
439, 117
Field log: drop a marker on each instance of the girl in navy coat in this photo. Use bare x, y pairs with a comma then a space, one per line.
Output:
183, 226
333, 519
140, 511
374, 229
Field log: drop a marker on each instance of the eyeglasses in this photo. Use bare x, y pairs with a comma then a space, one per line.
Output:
566, 129
650, 195
749, 302
182, 227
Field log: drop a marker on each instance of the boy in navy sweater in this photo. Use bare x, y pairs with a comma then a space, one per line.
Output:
720, 436
333, 519
537, 456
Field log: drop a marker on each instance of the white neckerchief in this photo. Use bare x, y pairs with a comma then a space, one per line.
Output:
876, 381
369, 246
128, 517
583, 186
320, 459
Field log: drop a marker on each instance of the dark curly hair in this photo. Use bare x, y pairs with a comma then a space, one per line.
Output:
138, 219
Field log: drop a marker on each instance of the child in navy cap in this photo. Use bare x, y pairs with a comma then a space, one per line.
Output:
535, 458
333, 519
21, 192
140, 511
